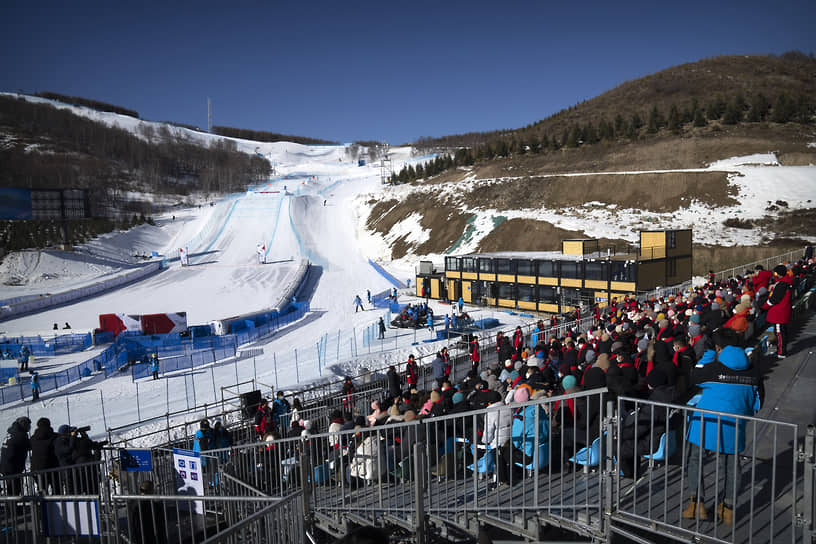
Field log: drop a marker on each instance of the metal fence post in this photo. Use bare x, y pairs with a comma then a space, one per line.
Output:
305, 490
419, 492
609, 470
808, 513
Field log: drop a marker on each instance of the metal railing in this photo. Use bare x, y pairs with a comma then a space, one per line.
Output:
749, 464
551, 461
768, 263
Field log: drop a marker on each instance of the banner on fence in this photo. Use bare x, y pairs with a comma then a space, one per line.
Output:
190, 475
165, 323
70, 518
135, 460
116, 323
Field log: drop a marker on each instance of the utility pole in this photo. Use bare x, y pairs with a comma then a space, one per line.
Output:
209, 115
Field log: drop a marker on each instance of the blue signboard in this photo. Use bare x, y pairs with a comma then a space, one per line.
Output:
135, 460
15, 203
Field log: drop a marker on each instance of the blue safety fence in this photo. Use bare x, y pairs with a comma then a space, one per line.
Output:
184, 362
176, 352
47, 347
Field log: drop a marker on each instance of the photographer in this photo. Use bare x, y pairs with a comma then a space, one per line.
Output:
86, 451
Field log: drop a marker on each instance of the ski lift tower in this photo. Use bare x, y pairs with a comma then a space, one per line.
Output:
385, 166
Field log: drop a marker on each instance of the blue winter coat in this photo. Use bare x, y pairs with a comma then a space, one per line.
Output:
524, 432
727, 384
203, 440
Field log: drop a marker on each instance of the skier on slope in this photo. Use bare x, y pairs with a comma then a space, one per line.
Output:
261, 254
358, 302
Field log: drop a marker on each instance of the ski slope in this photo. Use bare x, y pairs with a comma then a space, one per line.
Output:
307, 212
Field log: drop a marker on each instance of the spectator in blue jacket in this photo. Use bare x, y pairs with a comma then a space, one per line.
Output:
727, 383
530, 430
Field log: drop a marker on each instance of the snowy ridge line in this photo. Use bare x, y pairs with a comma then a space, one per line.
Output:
49, 301
394, 281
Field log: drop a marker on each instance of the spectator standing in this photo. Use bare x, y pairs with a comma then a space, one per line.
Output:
394, 388
13, 454
43, 456
35, 387
155, 366
411, 372
381, 325
779, 307
728, 384
203, 439
475, 355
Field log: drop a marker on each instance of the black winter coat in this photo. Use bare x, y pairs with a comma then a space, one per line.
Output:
42, 449
64, 450
15, 450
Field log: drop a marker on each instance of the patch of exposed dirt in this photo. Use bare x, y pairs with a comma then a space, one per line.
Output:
445, 222
649, 192
533, 235
796, 224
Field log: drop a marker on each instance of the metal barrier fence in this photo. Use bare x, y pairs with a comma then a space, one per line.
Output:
522, 466
767, 263
190, 360
746, 468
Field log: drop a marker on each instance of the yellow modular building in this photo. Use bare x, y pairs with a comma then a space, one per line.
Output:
581, 275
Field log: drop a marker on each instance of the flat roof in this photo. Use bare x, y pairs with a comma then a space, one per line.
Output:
551, 255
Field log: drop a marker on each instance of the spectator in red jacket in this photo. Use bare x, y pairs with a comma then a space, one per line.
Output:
779, 306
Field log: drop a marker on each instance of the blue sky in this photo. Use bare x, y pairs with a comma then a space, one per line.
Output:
359, 70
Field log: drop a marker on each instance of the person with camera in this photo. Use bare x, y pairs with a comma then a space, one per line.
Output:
85, 454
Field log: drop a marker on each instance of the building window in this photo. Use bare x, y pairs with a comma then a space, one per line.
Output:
478, 289
524, 268
547, 294
671, 239
623, 271
571, 296
468, 264
526, 293
452, 264
596, 270
486, 266
571, 269
507, 291
504, 266
547, 269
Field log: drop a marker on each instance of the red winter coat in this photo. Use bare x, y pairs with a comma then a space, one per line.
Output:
779, 302
762, 278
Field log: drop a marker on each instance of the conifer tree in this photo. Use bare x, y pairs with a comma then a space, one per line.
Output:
637, 123
699, 118
716, 108
620, 127
655, 121
783, 110
759, 109
674, 120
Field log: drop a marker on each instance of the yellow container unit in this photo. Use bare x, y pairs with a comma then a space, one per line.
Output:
582, 273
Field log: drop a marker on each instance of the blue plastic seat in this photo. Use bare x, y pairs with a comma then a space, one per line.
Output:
665, 449
543, 458
589, 456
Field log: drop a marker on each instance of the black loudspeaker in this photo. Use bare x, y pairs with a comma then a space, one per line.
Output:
249, 403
